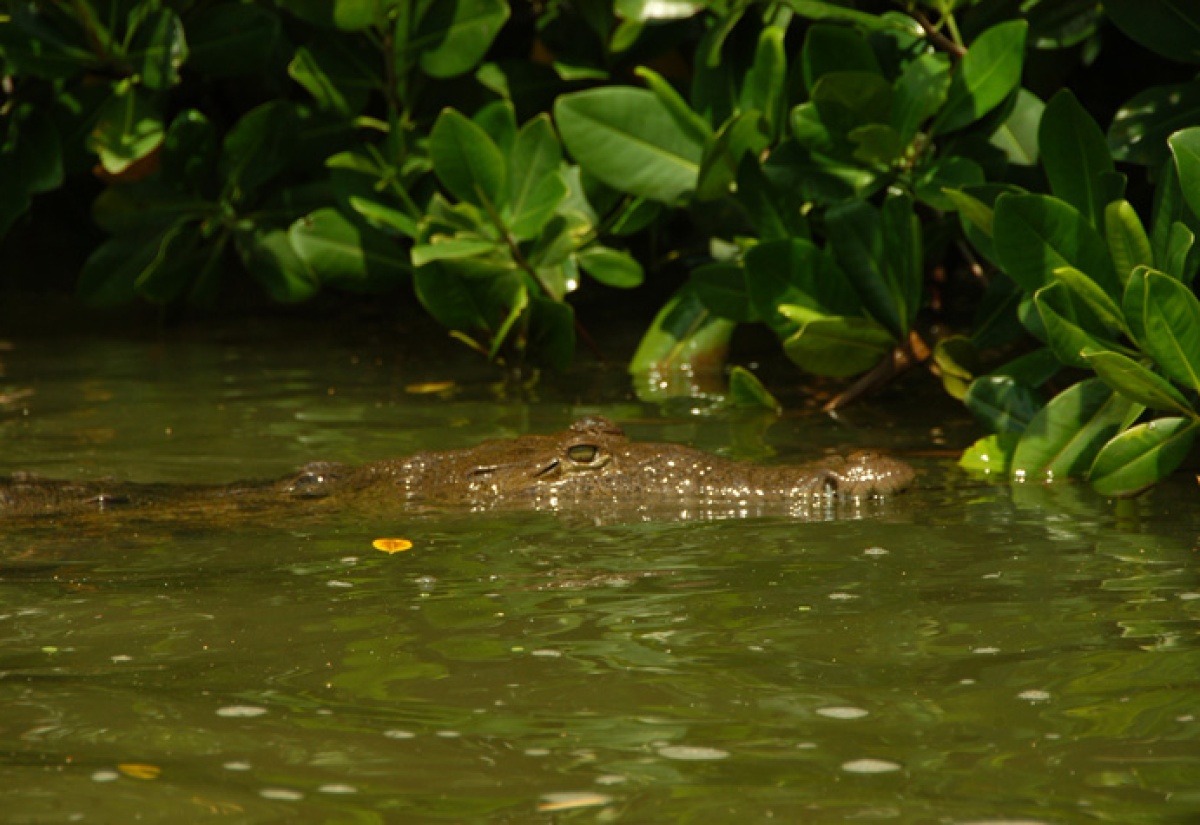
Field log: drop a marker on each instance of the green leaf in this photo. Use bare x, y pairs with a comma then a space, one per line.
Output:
1064, 334
474, 306
1137, 383
722, 289
1185, 146
763, 84
903, 254
258, 147
957, 361
1169, 27
630, 141
824, 10
1172, 328
1002, 403
991, 454
1092, 295
856, 233
1062, 440
919, 93
829, 49
747, 392
972, 211
109, 276
989, 72
384, 216
499, 120
159, 49
1032, 369
454, 35
535, 187
345, 254
270, 257
128, 128
466, 160
610, 267
683, 336
1075, 155
837, 346
1133, 304
230, 39
795, 272
1126, 238
1036, 234
1179, 262
1140, 129
338, 82
686, 118
847, 100
1016, 137
451, 248
1142, 456
742, 135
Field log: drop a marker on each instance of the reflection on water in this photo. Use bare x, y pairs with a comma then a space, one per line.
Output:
973, 654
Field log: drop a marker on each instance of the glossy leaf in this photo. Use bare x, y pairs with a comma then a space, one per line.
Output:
1140, 129
1142, 456
1172, 328
1065, 436
1036, 234
128, 128
159, 49
838, 346
747, 392
1185, 146
271, 258
795, 272
1002, 403
384, 216
1126, 238
345, 254
1075, 155
989, 72
990, 454
610, 267
763, 84
1017, 136
692, 124
1169, 27
1179, 262
1089, 292
829, 48
919, 93
1064, 334
856, 234
453, 35
466, 160
451, 248
1136, 383
903, 254
628, 139
721, 287
846, 100
684, 335
957, 361
742, 135
535, 187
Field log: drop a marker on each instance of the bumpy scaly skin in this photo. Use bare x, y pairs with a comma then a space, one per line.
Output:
591, 466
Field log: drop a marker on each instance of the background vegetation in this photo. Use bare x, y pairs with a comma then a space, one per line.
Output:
881, 184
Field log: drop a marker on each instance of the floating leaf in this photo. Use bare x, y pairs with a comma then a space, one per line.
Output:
991, 454
392, 545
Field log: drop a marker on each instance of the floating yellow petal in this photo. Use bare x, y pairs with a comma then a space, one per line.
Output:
140, 771
391, 545
429, 387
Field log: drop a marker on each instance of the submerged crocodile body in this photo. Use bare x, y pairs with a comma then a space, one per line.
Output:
592, 466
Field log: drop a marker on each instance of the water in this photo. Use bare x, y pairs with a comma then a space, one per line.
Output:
971, 653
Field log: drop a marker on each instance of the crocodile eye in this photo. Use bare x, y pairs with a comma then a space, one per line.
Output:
582, 453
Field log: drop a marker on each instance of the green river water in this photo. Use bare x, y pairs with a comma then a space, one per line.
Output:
968, 653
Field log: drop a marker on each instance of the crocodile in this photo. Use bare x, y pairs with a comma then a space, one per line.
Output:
592, 465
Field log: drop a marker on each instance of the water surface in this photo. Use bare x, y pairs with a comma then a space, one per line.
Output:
968, 653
